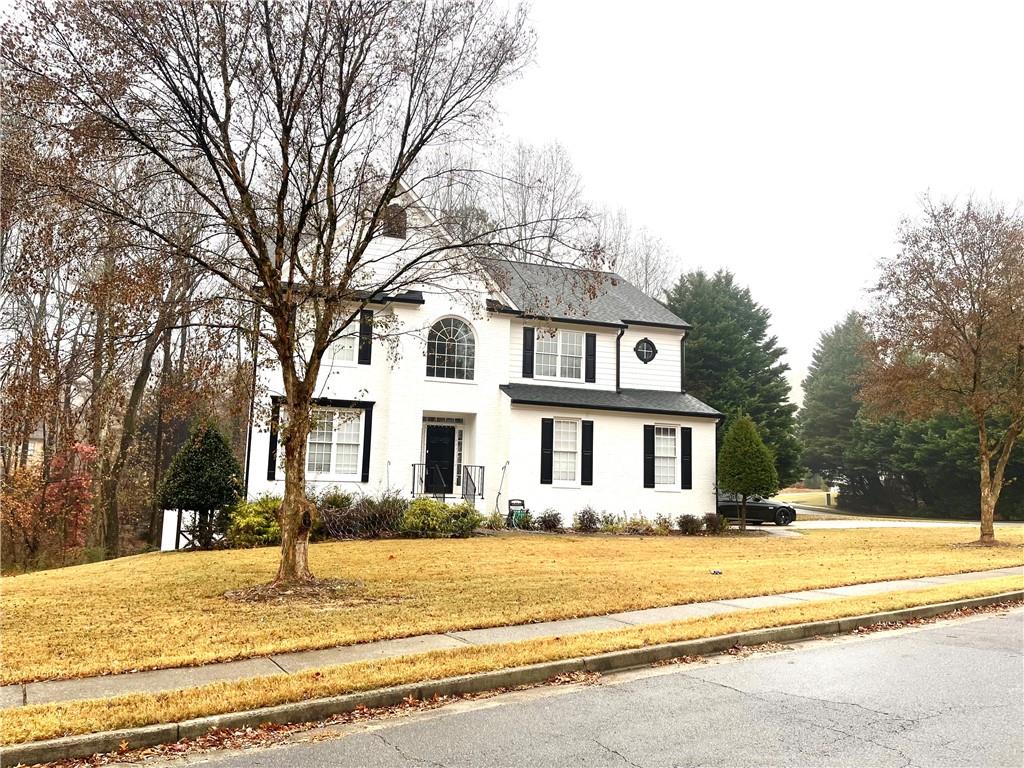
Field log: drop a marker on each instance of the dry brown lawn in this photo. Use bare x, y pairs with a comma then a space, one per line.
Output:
45, 721
165, 610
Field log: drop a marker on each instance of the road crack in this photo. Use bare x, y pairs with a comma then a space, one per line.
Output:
406, 755
618, 754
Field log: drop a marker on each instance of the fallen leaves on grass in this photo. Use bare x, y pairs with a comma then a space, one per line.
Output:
313, 592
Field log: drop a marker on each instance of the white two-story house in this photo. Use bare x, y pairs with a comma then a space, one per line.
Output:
559, 387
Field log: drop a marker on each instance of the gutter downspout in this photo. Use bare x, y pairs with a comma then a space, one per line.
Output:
618, 359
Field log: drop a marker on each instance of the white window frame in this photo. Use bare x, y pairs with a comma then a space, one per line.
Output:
559, 354
672, 485
474, 346
343, 351
356, 415
575, 482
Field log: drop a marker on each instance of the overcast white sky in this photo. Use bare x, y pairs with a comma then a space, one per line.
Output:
782, 140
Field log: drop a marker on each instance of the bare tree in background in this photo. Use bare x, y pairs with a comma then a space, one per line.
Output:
947, 331
639, 256
646, 264
296, 126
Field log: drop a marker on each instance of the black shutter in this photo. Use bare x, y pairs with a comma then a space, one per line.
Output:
587, 457
590, 363
686, 457
527, 352
367, 430
365, 336
547, 441
275, 421
648, 455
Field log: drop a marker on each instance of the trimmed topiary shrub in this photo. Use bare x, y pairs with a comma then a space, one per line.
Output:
205, 478
715, 523
550, 521
689, 525
586, 520
254, 523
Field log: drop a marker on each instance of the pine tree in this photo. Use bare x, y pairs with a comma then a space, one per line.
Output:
204, 477
830, 397
746, 466
734, 364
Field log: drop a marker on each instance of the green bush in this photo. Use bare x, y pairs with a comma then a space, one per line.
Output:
611, 523
550, 521
425, 517
525, 521
430, 518
715, 523
586, 520
689, 525
254, 523
463, 520
494, 522
662, 525
204, 477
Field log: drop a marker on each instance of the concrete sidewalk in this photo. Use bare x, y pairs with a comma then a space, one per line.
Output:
286, 663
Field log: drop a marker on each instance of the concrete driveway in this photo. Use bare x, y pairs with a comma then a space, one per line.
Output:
850, 522
949, 694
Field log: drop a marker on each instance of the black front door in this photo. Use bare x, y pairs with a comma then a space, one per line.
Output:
440, 459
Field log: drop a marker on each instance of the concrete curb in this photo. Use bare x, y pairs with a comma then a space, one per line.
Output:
318, 709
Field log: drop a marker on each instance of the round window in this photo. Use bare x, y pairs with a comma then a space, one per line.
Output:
645, 350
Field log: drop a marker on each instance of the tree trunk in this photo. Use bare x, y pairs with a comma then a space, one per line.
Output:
296, 515
743, 513
989, 492
115, 469
989, 496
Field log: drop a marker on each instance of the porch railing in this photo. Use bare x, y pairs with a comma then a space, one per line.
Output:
471, 486
472, 481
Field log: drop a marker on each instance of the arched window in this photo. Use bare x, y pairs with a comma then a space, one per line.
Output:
451, 350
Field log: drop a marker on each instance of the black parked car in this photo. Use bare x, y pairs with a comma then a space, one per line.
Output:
758, 510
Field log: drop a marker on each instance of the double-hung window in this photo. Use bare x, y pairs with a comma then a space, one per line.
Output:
333, 446
570, 363
565, 450
344, 349
559, 354
665, 456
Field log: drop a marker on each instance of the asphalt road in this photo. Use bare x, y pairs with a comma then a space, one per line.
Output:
949, 694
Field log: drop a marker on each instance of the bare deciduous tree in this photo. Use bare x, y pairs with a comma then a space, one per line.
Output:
646, 264
947, 330
295, 126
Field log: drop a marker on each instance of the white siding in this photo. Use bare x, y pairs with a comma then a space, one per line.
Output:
662, 373
618, 466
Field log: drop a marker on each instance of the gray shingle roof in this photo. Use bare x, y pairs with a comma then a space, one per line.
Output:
540, 290
638, 400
